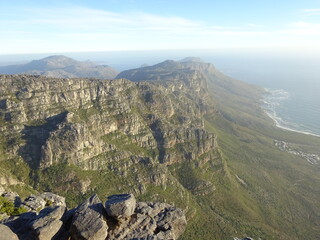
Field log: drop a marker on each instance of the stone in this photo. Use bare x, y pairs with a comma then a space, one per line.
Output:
89, 221
156, 221
172, 221
34, 203
21, 225
121, 205
47, 225
7, 234
53, 199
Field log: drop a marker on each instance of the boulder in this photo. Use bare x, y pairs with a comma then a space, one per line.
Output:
34, 203
171, 221
47, 225
121, 205
7, 234
89, 222
53, 199
151, 221
21, 225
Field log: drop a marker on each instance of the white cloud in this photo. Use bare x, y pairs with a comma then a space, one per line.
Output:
311, 12
83, 29
302, 28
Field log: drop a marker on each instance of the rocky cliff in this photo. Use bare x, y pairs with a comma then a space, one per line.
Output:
133, 131
91, 123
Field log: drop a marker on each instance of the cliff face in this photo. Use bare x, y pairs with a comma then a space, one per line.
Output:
94, 123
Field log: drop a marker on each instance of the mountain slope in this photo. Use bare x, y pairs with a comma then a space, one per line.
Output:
61, 67
180, 132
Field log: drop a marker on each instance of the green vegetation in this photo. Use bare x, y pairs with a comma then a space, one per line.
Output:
8, 207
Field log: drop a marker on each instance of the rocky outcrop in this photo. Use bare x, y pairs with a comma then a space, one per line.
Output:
91, 221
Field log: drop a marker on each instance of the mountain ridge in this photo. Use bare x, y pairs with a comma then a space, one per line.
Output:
62, 67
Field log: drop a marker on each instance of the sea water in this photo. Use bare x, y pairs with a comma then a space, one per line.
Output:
292, 85
293, 110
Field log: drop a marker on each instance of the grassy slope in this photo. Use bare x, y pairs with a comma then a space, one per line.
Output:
280, 196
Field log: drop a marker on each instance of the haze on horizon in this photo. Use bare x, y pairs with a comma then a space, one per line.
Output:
30, 27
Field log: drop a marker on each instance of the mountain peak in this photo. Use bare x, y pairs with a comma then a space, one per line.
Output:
62, 66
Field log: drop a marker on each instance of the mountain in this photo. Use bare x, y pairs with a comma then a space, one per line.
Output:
176, 132
61, 67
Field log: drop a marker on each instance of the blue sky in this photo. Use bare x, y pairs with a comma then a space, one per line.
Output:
113, 25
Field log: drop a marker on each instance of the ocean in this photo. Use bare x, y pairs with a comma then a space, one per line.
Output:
292, 85
292, 79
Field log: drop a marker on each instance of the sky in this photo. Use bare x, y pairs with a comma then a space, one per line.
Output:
34, 26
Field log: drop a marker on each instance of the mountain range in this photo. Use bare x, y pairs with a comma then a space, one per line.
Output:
60, 66
179, 132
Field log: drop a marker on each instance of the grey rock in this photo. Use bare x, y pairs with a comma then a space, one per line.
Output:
121, 205
89, 221
34, 203
48, 224
7, 234
21, 225
171, 221
151, 221
55, 199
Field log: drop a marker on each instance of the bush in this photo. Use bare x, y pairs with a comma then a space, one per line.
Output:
8, 207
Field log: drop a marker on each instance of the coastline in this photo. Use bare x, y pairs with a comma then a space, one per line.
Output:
271, 113
277, 124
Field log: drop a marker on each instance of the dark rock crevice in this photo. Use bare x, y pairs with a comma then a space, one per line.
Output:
35, 137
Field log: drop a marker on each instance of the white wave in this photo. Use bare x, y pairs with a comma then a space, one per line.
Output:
271, 104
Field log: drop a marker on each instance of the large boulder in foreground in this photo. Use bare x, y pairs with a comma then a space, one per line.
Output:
47, 225
7, 234
156, 221
121, 205
89, 221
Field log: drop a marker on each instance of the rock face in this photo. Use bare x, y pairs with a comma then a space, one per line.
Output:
60, 66
76, 120
90, 221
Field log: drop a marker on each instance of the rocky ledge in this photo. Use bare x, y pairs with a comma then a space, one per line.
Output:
121, 217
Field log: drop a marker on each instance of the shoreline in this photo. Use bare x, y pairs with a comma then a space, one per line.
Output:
277, 124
